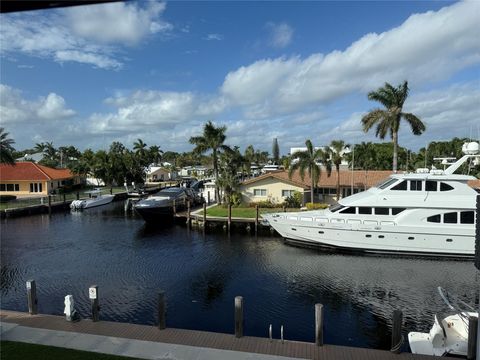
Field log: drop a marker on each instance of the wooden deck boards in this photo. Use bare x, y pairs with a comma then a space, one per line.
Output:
206, 339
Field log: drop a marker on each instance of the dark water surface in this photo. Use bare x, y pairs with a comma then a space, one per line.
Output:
201, 275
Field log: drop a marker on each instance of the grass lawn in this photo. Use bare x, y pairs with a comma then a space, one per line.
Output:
241, 212
12, 350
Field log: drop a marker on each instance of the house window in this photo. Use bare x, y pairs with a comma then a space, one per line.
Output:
17, 187
260, 192
287, 193
36, 187
9, 187
416, 185
3, 187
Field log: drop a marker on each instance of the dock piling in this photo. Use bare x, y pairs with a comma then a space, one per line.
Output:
78, 195
229, 224
397, 339
188, 213
49, 205
256, 219
161, 310
93, 295
270, 332
472, 337
32, 297
204, 216
319, 324
281, 333
238, 316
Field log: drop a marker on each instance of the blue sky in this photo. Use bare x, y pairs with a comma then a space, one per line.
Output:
90, 75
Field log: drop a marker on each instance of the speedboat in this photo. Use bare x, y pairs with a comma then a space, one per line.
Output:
159, 206
429, 213
448, 335
96, 199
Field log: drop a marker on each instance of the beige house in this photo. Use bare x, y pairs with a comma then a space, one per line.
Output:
156, 174
30, 179
277, 186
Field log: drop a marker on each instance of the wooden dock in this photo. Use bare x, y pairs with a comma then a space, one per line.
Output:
247, 344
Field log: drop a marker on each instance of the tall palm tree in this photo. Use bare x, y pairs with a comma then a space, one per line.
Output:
6, 148
335, 150
213, 139
140, 148
308, 160
155, 153
388, 119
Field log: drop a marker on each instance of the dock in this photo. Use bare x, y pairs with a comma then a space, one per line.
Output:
118, 338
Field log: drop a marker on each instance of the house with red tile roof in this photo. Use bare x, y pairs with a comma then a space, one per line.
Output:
31, 179
277, 186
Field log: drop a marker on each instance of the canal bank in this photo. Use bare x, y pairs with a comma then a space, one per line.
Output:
149, 342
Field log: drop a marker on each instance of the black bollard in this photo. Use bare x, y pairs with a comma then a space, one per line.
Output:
238, 316
32, 297
93, 295
161, 310
319, 324
397, 331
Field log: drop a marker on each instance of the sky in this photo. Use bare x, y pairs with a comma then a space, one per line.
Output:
90, 75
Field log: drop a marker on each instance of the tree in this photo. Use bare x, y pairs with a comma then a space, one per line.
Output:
275, 151
140, 149
155, 154
6, 148
336, 155
231, 162
309, 160
213, 139
388, 120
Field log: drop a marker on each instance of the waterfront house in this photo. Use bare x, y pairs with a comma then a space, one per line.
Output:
195, 171
277, 186
160, 173
31, 179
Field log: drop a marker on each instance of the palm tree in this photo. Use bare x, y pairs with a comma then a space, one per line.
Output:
140, 148
155, 154
388, 119
308, 160
6, 148
336, 156
212, 139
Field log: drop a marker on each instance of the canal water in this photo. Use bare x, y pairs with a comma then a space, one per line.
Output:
202, 273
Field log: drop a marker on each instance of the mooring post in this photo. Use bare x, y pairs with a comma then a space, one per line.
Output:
32, 297
93, 295
174, 208
208, 197
229, 217
319, 324
397, 331
111, 191
204, 215
161, 310
472, 337
256, 218
238, 316
188, 212
284, 208
78, 195
49, 205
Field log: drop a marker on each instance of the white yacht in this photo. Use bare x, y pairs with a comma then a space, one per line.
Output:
425, 213
96, 199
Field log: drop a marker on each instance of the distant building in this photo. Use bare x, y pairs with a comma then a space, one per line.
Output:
30, 179
159, 173
277, 186
195, 171
36, 157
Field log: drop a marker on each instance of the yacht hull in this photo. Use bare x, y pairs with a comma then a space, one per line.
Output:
156, 214
376, 239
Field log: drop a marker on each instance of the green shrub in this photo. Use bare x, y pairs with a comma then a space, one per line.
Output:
236, 199
264, 204
294, 200
316, 206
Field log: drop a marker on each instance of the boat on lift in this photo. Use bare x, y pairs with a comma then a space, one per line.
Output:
448, 335
428, 213
96, 198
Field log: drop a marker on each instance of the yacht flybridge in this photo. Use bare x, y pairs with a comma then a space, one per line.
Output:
429, 212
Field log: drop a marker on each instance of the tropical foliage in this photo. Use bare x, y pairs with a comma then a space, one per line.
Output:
309, 161
6, 148
387, 121
336, 150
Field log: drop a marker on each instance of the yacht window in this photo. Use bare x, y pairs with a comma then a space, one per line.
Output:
348, 210
336, 207
396, 211
416, 185
450, 218
400, 186
445, 187
467, 217
386, 183
430, 185
434, 218
364, 210
381, 211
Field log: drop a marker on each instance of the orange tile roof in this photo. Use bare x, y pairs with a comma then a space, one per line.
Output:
24, 171
474, 183
360, 178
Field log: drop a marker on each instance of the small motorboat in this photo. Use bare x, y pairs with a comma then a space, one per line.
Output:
96, 198
448, 335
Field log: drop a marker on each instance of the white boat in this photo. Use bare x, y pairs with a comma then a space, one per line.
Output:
96, 199
428, 213
448, 336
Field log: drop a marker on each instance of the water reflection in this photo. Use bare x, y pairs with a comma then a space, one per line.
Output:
202, 273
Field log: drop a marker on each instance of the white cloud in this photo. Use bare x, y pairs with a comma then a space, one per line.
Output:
14, 109
426, 47
85, 34
280, 35
210, 37
118, 22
